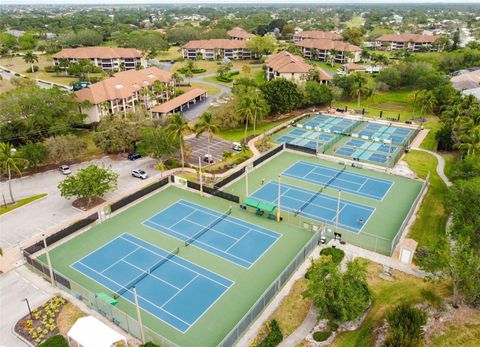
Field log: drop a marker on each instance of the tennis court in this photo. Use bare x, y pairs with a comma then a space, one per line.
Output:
315, 205
385, 133
306, 138
169, 287
378, 153
358, 184
325, 123
240, 242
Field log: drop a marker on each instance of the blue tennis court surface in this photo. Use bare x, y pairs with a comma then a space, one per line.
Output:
325, 123
320, 207
381, 132
369, 187
178, 292
225, 236
305, 138
376, 152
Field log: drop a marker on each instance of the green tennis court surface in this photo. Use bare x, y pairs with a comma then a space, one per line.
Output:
193, 297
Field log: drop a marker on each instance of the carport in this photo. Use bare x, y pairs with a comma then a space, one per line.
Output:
180, 103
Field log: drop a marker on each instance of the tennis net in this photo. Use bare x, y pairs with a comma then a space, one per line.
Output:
137, 279
208, 227
308, 201
330, 181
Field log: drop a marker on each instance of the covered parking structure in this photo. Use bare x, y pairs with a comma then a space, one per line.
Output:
180, 103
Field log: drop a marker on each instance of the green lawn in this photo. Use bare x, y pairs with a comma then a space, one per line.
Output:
432, 215
386, 294
210, 89
326, 66
173, 53
355, 22
20, 203
237, 134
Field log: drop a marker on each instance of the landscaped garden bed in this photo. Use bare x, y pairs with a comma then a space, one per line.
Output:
43, 322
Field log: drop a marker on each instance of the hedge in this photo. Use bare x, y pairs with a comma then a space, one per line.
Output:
336, 253
321, 335
55, 341
274, 336
149, 344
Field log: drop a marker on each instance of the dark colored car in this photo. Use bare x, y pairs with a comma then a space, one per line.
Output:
134, 156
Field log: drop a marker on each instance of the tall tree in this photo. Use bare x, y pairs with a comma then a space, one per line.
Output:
207, 124
359, 86
178, 127
261, 45
30, 58
155, 143
10, 161
281, 95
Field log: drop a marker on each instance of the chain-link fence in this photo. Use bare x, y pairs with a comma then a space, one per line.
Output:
269, 294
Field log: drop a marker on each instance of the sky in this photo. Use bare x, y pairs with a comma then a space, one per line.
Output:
99, 2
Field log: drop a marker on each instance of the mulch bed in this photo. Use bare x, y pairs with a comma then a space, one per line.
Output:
81, 203
44, 322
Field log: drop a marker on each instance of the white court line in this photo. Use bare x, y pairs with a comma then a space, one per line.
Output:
238, 240
180, 290
211, 229
151, 274
119, 260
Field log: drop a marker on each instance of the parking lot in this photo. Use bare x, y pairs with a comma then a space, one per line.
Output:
199, 147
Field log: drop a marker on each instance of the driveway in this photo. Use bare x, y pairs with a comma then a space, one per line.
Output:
23, 223
14, 288
199, 147
196, 110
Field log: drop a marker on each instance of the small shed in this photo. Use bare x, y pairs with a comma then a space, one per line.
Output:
90, 332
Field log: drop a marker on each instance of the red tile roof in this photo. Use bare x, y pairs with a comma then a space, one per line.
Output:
215, 44
98, 52
179, 101
285, 62
408, 38
240, 32
317, 34
328, 45
122, 85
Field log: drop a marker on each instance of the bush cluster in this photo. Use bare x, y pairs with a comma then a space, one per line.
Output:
337, 254
35, 69
184, 70
321, 335
55, 341
274, 336
405, 326
228, 77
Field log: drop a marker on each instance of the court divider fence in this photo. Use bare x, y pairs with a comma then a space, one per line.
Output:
110, 312
229, 179
268, 155
214, 192
138, 194
270, 293
300, 148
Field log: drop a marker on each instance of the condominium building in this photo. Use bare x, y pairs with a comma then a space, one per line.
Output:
326, 50
106, 58
124, 90
412, 42
292, 67
241, 34
214, 49
316, 35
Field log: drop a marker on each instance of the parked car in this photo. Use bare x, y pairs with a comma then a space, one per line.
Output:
237, 146
139, 173
65, 170
134, 156
208, 158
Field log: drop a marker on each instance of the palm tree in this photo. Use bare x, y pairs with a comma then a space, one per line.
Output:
63, 64
470, 142
260, 108
30, 58
10, 161
177, 128
246, 111
207, 123
358, 86
333, 54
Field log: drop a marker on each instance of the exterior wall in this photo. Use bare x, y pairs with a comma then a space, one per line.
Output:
110, 64
412, 46
215, 54
94, 114
322, 55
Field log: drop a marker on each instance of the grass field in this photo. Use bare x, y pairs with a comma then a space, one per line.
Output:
17, 64
355, 22
211, 66
256, 72
5, 86
173, 53
20, 203
432, 215
210, 89
227, 311
377, 234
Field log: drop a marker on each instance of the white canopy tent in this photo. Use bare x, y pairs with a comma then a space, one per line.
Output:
90, 332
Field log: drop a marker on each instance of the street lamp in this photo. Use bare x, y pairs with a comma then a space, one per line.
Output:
29, 309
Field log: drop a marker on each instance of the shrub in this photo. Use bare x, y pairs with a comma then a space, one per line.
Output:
35, 69
172, 163
274, 336
149, 344
321, 335
55, 341
337, 254
51, 68
405, 326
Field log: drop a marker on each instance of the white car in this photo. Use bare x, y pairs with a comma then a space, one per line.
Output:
237, 146
65, 170
139, 173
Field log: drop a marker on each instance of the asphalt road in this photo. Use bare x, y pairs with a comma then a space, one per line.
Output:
23, 223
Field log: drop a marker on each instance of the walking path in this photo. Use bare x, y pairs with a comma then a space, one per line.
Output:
440, 165
302, 331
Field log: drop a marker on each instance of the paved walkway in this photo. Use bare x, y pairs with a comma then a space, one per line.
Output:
303, 330
440, 165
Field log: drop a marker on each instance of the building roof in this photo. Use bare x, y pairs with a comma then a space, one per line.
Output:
285, 62
98, 52
179, 101
240, 32
215, 44
407, 38
90, 332
122, 85
328, 45
317, 34
466, 81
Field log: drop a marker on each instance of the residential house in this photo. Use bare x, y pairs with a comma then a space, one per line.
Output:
412, 42
326, 50
241, 34
292, 67
122, 91
316, 35
214, 49
107, 58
